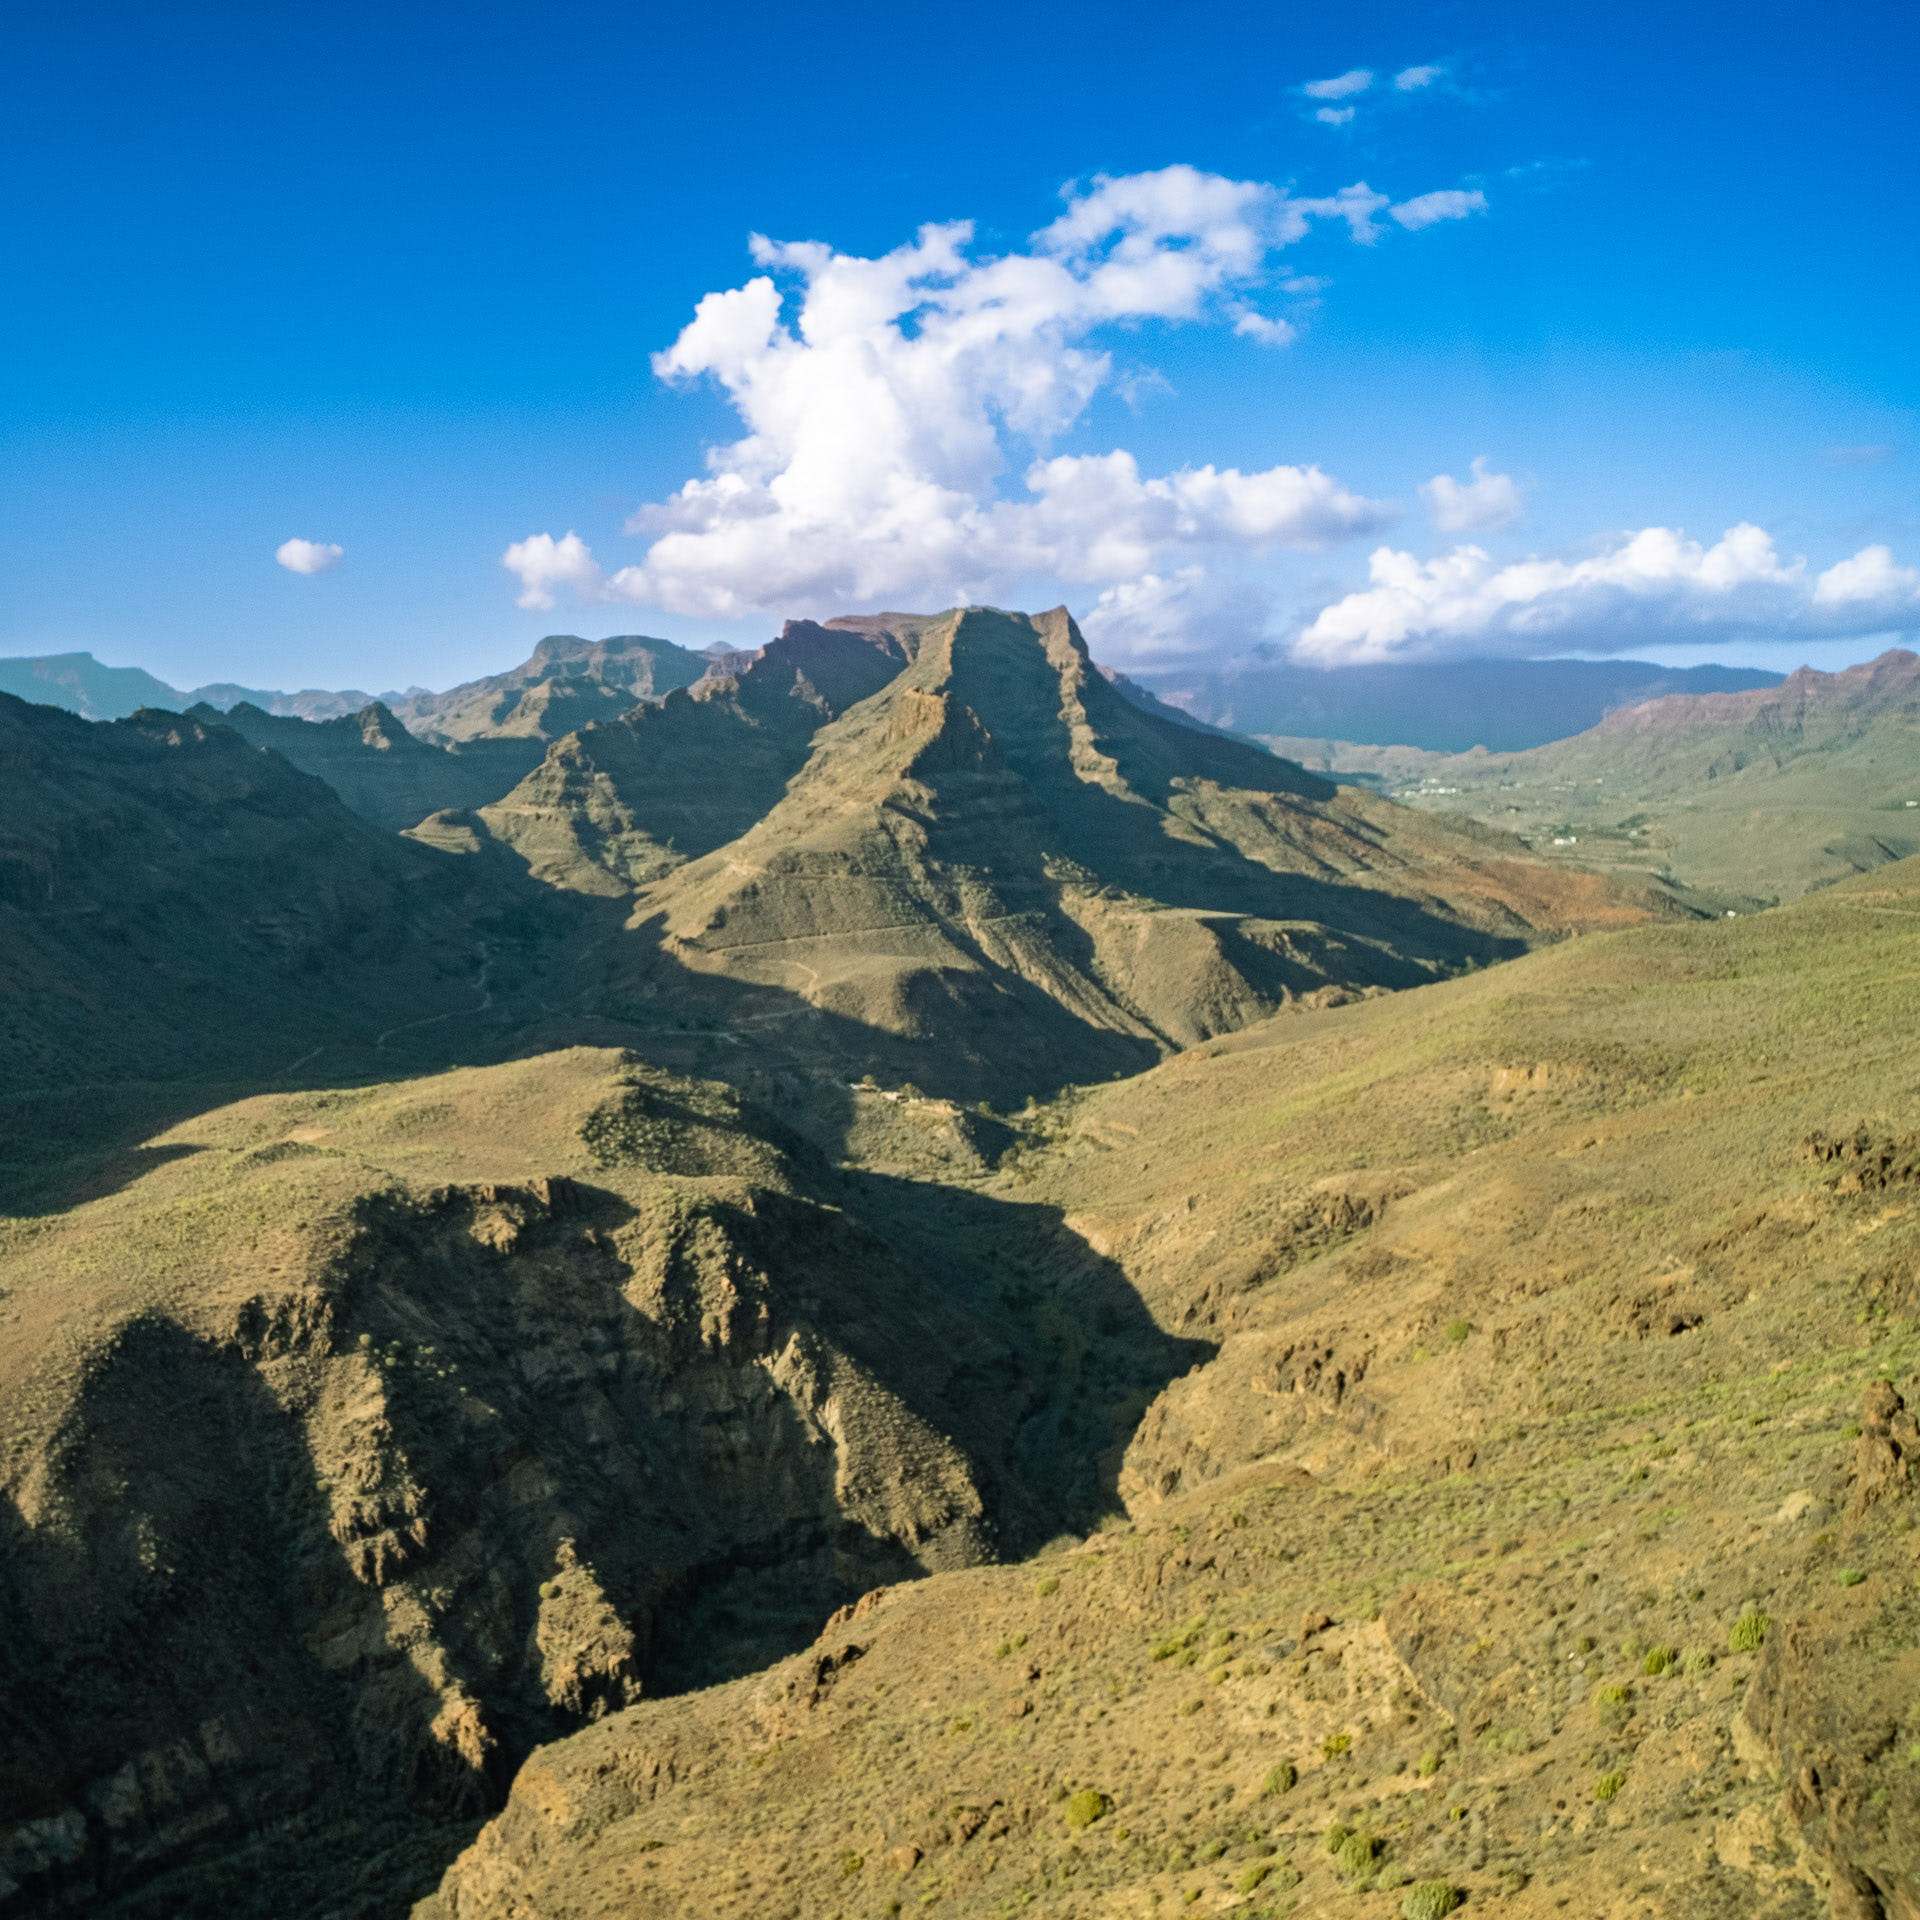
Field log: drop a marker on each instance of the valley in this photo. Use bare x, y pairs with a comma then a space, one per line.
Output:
871, 1274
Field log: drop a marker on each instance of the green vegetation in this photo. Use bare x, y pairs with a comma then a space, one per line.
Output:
1087, 1806
1749, 1632
1281, 1778
1609, 1784
1429, 1900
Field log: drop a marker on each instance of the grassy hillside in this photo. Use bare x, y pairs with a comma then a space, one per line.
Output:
1744, 798
1538, 1519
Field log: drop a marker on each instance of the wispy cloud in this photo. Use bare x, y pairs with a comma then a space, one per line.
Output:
1482, 504
1341, 87
1450, 203
309, 556
1334, 116
1650, 586
885, 400
1412, 79
1875, 455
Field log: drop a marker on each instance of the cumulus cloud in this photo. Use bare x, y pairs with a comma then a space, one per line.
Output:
1188, 612
1334, 116
309, 556
1480, 505
1654, 584
545, 564
1341, 87
886, 400
1412, 79
1450, 203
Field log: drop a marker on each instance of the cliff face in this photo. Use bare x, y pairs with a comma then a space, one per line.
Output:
331, 1491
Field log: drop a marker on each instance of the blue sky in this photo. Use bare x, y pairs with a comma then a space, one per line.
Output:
389, 279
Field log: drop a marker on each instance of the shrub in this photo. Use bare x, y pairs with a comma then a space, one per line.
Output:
1281, 1779
1429, 1764
1188, 1708
1047, 1588
1609, 1784
1336, 1744
1457, 1330
1087, 1806
1429, 1900
1336, 1837
851, 1863
1213, 1850
1850, 1576
1250, 1880
1749, 1632
1658, 1660
1358, 1855
1613, 1702
1698, 1660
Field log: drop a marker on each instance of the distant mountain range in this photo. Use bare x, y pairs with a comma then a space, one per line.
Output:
1444, 706
1751, 797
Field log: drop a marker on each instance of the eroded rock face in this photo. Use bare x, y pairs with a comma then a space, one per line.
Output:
340, 1537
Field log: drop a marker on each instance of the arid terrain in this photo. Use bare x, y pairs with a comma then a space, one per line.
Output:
889, 1281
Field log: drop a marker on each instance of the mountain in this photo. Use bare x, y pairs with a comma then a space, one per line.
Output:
80, 684
625, 800
1543, 1524
567, 683
995, 873
174, 902
1748, 798
384, 773
1444, 706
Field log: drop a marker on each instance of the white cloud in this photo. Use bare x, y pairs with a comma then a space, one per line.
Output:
1480, 505
1341, 87
1186, 613
544, 564
1334, 116
1654, 584
884, 401
308, 556
1450, 203
1876, 455
1412, 79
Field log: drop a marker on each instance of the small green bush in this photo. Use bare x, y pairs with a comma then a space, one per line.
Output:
1188, 1708
1697, 1660
1359, 1854
1457, 1330
1335, 1745
1087, 1806
1213, 1850
1250, 1880
1749, 1633
1429, 1900
1047, 1588
1609, 1784
1336, 1836
1658, 1660
1281, 1779
1849, 1576
851, 1863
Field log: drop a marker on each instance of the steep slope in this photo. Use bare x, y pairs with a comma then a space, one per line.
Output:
173, 901
1444, 706
1754, 797
1546, 1530
384, 773
998, 874
624, 801
369, 1437
567, 683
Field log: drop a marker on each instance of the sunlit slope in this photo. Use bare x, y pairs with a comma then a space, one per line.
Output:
998, 857
618, 804
1747, 798
1540, 1520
